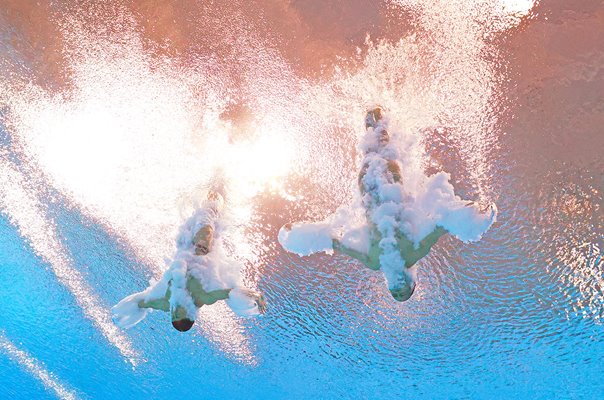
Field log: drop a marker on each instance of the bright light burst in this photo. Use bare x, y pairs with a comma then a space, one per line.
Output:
521, 7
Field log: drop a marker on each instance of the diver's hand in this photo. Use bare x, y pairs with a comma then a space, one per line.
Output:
306, 238
258, 299
128, 312
261, 304
246, 302
492, 210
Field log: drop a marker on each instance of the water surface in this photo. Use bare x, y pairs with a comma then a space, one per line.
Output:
115, 115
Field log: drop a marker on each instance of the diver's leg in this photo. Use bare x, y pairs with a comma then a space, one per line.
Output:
204, 237
372, 120
204, 240
340, 248
361, 182
395, 170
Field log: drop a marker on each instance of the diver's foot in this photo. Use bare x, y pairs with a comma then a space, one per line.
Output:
373, 117
261, 304
213, 195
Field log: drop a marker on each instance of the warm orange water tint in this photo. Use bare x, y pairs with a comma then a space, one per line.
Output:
128, 108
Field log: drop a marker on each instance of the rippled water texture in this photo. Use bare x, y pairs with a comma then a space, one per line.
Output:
114, 116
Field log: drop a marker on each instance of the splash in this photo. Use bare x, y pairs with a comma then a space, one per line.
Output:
399, 202
135, 141
137, 135
208, 265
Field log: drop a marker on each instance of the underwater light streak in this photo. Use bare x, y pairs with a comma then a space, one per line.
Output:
25, 212
93, 153
36, 368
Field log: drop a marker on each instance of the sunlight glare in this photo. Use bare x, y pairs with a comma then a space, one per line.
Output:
517, 7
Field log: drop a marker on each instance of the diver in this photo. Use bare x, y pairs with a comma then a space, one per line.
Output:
200, 274
386, 247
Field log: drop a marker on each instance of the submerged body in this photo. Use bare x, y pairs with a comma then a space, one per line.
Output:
409, 252
197, 292
382, 243
200, 274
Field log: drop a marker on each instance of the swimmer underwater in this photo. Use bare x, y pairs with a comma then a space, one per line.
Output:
389, 248
200, 274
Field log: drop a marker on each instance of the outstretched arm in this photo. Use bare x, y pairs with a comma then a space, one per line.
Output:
432, 238
410, 254
133, 309
340, 248
201, 297
305, 239
162, 304
246, 302
243, 301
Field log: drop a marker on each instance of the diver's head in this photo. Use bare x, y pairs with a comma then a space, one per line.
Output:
403, 286
180, 319
404, 292
182, 325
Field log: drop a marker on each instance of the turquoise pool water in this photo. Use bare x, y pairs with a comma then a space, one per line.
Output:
114, 117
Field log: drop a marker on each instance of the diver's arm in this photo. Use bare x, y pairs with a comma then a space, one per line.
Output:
208, 298
133, 309
432, 238
256, 298
410, 254
162, 303
220, 294
340, 248
201, 297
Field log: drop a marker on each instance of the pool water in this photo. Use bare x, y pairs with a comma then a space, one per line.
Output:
115, 117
